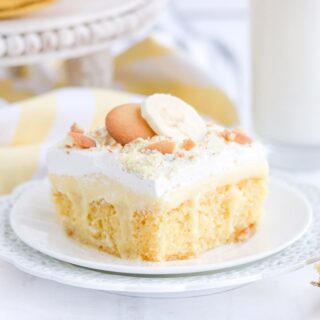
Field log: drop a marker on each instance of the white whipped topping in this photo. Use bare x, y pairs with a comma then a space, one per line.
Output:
230, 161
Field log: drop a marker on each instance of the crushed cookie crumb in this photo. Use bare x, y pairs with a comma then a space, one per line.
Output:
241, 137
164, 147
227, 135
75, 128
81, 140
188, 144
236, 135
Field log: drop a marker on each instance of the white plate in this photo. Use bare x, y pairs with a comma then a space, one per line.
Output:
288, 216
303, 252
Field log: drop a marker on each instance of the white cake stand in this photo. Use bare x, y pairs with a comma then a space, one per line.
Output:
83, 32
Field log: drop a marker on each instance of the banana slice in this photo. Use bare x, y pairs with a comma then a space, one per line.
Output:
171, 117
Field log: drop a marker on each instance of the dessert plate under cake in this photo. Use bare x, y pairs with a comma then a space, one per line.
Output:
33, 220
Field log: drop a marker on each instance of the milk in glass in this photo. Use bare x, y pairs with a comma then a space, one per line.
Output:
286, 72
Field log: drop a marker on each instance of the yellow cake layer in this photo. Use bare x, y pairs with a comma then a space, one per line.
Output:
225, 214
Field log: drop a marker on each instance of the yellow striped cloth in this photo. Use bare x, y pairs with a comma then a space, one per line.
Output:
150, 67
30, 126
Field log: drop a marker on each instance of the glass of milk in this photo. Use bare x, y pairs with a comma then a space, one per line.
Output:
286, 80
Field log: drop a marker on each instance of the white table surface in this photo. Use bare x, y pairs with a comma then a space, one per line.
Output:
288, 297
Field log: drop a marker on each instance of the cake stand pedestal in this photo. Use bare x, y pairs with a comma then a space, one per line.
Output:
94, 69
85, 33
